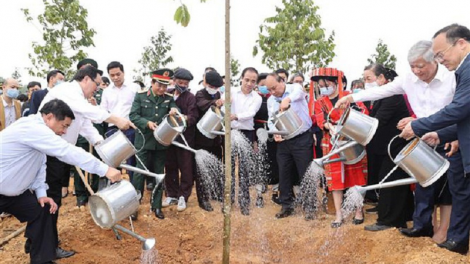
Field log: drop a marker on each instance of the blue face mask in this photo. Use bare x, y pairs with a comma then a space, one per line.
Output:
13, 93
356, 90
326, 90
58, 82
222, 89
263, 89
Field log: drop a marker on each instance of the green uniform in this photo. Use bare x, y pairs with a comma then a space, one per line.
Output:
148, 107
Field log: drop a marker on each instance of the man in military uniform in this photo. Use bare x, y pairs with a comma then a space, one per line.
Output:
147, 112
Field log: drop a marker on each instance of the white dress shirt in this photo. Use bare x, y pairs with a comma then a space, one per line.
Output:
118, 101
245, 107
23, 149
85, 113
10, 113
298, 104
425, 98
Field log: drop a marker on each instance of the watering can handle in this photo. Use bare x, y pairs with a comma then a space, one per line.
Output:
388, 147
112, 130
328, 116
182, 117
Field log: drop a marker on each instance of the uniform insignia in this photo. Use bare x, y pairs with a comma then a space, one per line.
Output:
166, 73
147, 101
169, 94
166, 101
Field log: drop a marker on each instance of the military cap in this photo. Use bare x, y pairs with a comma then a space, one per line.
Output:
183, 74
213, 78
162, 76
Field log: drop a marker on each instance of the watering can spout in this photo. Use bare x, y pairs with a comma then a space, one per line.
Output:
184, 146
362, 189
148, 244
158, 177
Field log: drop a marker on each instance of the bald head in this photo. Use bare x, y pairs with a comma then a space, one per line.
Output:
11, 82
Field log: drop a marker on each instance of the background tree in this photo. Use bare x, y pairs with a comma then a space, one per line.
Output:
293, 39
16, 75
383, 56
155, 56
65, 32
234, 70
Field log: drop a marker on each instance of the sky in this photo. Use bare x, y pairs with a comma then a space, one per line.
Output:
124, 28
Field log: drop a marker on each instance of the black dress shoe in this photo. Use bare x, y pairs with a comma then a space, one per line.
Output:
285, 212
61, 253
376, 227
259, 202
275, 198
134, 216
159, 214
245, 211
81, 203
27, 246
205, 205
411, 232
453, 246
49, 262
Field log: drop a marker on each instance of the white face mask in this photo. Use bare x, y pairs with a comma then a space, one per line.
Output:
370, 85
327, 90
211, 91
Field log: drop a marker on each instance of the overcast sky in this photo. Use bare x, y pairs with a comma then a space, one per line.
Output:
124, 27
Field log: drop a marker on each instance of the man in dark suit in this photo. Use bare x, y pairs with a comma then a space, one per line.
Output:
451, 46
54, 78
178, 189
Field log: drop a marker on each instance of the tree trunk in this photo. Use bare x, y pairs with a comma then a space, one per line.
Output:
228, 146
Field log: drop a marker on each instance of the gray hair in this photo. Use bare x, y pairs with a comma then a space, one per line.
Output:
421, 49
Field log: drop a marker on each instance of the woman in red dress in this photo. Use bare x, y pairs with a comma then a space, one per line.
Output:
339, 175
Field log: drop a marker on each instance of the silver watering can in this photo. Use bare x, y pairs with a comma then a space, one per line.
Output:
421, 162
113, 204
287, 123
351, 155
357, 126
169, 129
211, 124
116, 149
344, 147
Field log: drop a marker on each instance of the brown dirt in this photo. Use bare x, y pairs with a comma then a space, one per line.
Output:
195, 236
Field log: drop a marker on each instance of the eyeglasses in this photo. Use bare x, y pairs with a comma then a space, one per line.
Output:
439, 57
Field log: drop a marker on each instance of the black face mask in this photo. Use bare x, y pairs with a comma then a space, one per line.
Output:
181, 89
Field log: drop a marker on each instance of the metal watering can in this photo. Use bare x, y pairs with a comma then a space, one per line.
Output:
211, 124
287, 123
116, 149
357, 126
169, 129
421, 162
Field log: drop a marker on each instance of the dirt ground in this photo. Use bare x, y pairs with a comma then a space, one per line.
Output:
195, 236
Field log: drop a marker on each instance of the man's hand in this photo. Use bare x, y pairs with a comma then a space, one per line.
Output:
402, 123
284, 104
92, 101
124, 124
233, 117
219, 102
152, 125
278, 138
44, 200
454, 147
344, 102
431, 138
407, 132
173, 111
113, 174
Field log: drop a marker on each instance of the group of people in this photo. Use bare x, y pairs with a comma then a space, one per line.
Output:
430, 102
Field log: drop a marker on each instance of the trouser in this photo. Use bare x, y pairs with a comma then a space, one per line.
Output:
459, 186
437, 193
130, 134
374, 165
39, 230
55, 172
179, 160
395, 206
157, 158
215, 189
80, 190
296, 152
244, 171
273, 172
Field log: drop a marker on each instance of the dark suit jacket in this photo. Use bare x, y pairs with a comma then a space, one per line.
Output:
36, 100
186, 102
388, 111
456, 113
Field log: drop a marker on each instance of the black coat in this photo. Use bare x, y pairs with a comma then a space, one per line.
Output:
204, 101
389, 111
